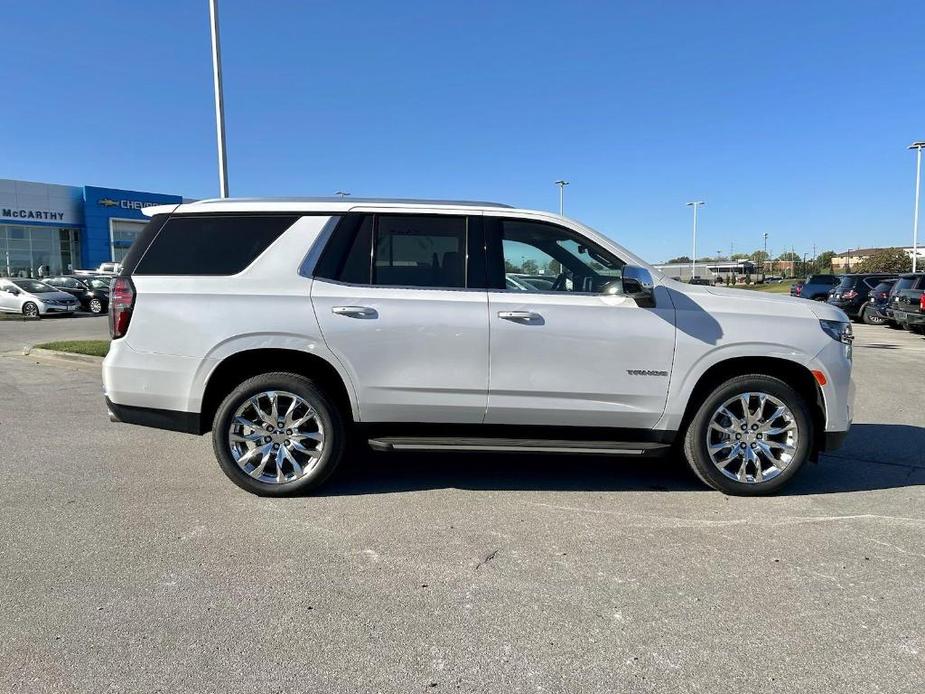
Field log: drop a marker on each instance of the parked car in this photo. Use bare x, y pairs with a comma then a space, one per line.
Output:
105, 269
851, 293
905, 309
380, 321
874, 311
33, 299
817, 287
91, 292
701, 281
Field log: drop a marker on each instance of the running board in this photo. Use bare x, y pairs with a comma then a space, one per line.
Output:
437, 443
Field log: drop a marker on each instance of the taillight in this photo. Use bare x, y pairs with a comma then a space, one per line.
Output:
798, 289
850, 294
121, 303
922, 303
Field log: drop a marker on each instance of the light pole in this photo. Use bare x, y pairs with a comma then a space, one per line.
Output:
694, 204
562, 183
917, 146
219, 101
765, 259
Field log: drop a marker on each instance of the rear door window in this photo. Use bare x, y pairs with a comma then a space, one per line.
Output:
202, 244
399, 251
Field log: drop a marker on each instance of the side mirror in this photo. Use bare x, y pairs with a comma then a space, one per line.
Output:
637, 283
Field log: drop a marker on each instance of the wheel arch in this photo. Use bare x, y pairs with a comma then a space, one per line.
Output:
239, 366
794, 374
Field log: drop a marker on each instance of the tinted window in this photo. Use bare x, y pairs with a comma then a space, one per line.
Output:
538, 257
210, 245
420, 251
358, 262
903, 283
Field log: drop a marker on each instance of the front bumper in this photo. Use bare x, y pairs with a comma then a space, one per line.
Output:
833, 440
45, 309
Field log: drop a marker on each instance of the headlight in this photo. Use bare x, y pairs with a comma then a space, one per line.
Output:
837, 330
841, 332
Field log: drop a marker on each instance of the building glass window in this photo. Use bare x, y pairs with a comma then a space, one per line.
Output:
36, 251
123, 233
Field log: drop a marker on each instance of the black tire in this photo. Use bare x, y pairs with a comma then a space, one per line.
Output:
95, 307
695, 438
893, 324
30, 310
327, 414
870, 317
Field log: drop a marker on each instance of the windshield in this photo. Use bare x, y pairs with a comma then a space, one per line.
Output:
903, 283
34, 287
98, 284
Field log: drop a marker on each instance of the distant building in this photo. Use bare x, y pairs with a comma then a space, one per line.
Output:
847, 261
730, 269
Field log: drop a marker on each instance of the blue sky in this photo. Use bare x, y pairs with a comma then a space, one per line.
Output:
789, 118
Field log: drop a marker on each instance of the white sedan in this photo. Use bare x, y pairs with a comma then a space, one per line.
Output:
32, 298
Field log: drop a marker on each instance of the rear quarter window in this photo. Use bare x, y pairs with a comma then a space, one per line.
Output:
211, 244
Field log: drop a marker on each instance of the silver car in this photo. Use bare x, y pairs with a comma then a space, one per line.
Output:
32, 298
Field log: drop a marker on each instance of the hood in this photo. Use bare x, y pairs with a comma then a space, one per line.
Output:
55, 296
751, 301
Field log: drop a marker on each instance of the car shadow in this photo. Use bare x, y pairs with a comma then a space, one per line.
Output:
875, 456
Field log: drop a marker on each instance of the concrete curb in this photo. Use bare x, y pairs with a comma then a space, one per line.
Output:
69, 356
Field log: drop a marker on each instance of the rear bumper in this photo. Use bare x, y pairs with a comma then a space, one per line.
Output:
172, 420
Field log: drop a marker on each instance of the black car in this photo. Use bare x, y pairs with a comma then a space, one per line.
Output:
904, 309
850, 294
92, 292
874, 312
816, 287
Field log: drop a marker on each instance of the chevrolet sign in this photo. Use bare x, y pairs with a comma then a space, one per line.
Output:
126, 204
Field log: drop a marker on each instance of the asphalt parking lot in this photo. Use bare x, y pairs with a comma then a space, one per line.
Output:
129, 563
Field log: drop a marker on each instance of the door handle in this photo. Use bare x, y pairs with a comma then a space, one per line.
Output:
519, 315
354, 311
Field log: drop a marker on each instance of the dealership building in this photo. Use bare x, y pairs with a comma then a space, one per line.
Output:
48, 229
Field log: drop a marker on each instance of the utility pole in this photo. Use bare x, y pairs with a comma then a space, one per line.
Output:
219, 101
562, 183
694, 204
917, 146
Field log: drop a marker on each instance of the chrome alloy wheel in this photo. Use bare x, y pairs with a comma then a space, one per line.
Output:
276, 437
30, 310
752, 437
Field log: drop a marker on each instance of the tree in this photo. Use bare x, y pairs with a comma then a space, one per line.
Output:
739, 256
887, 260
758, 256
789, 256
530, 267
823, 263
678, 260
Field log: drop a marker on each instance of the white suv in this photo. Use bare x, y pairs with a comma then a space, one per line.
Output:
294, 328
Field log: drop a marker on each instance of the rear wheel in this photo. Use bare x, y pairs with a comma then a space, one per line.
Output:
96, 306
277, 434
750, 436
30, 310
870, 316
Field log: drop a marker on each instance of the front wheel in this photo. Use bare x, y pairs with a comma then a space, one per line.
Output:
96, 306
277, 434
750, 436
30, 310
